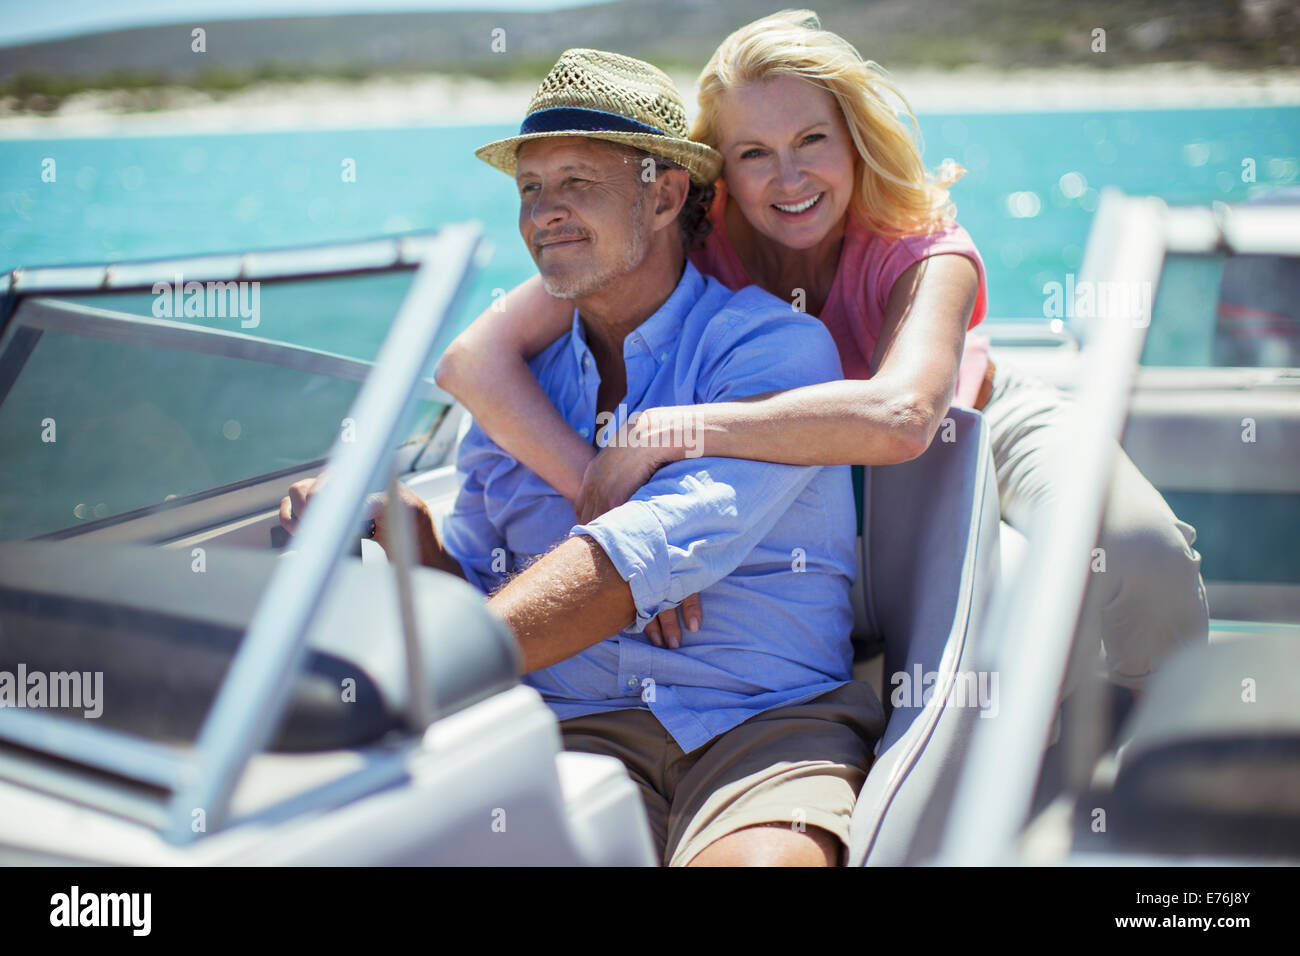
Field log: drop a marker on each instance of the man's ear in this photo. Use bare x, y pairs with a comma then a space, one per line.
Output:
671, 188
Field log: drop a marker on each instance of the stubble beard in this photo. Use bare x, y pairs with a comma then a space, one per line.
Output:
585, 284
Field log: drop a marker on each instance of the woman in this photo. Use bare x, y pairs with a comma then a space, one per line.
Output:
824, 201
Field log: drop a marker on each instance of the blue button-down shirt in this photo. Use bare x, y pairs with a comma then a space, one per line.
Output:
769, 548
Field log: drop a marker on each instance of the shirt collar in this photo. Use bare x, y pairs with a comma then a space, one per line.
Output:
578, 338
657, 335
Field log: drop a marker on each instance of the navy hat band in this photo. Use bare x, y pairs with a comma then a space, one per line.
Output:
575, 118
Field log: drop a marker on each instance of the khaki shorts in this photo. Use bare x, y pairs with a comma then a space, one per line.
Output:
801, 765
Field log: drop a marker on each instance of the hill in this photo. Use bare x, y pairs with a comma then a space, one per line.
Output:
676, 34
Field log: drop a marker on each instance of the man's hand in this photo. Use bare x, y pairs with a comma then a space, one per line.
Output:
414, 510
294, 504
429, 550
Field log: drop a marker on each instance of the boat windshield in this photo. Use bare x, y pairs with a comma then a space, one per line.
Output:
114, 402
1226, 311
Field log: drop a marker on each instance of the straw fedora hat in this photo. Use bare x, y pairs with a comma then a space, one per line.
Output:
611, 97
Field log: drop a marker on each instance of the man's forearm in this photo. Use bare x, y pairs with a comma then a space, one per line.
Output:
569, 599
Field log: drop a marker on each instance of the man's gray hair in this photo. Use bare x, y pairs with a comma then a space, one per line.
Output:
693, 221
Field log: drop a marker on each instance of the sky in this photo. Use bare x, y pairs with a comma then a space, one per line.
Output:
22, 21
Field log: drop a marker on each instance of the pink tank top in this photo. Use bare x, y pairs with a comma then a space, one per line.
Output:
855, 309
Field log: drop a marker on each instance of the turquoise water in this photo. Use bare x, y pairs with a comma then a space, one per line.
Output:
138, 426
1027, 198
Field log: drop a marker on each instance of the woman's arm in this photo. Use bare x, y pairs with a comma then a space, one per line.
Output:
486, 368
888, 418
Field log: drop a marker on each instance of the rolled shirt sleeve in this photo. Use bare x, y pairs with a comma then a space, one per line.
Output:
692, 525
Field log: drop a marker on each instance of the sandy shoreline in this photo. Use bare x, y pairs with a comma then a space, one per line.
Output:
438, 100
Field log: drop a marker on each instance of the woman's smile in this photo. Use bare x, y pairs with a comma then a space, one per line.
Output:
799, 210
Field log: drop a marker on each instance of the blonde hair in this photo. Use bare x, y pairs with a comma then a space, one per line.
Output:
895, 195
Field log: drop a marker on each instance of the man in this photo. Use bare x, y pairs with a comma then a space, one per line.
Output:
749, 740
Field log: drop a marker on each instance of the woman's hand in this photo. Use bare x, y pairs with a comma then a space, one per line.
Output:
627, 461
612, 477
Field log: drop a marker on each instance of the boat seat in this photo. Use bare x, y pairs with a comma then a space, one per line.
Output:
163, 635
930, 541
